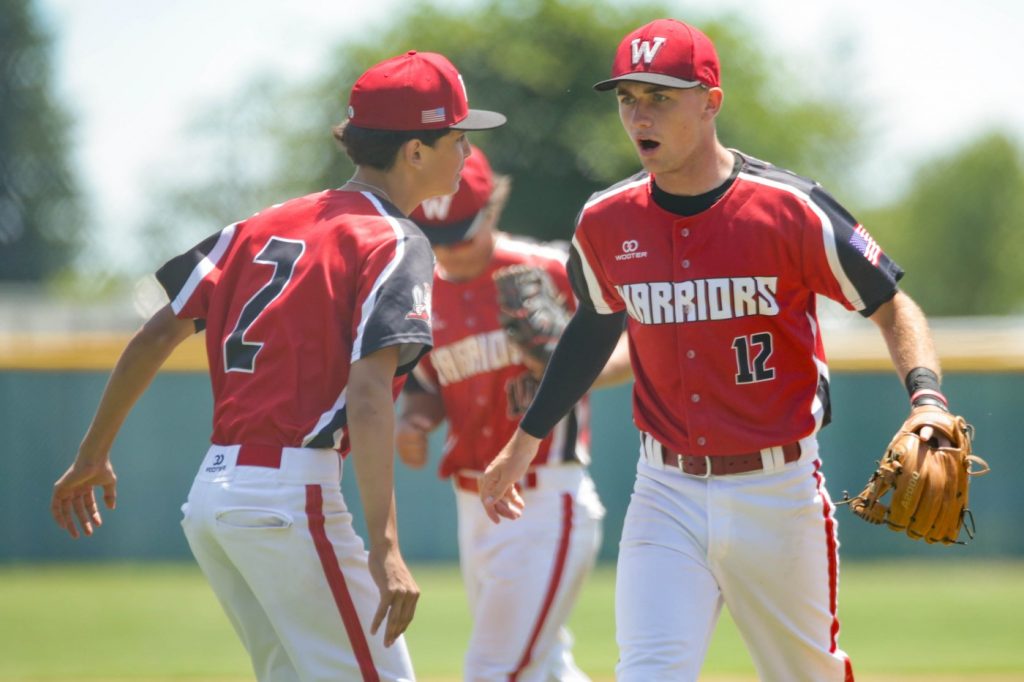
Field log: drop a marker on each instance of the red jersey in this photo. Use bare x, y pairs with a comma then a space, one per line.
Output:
725, 343
290, 298
480, 375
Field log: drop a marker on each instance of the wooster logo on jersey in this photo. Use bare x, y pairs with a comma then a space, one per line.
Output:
217, 464
630, 251
698, 300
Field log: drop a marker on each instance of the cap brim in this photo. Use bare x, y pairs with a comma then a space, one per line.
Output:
646, 77
452, 233
479, 119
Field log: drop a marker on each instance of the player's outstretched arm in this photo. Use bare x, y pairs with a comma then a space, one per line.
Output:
905, 330
371, 419
73, 495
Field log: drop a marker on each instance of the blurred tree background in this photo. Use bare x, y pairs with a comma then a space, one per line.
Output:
957, 227
40, 215
535, 61
959, 230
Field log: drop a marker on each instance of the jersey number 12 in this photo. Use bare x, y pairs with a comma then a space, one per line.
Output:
752, 355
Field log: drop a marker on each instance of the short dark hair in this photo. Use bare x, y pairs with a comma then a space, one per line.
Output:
378, 148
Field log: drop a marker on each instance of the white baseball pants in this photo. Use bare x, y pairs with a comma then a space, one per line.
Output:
523, 577
278, 548
764, 544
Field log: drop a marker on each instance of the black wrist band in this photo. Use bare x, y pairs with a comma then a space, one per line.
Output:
921, 378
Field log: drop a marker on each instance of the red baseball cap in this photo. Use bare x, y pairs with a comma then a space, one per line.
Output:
455, 217
415, 91
665, 52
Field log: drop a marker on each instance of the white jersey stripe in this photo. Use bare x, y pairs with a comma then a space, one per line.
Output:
593, 287
325, 419
203, 268
615, 190
366, 312
371, 299
827, 234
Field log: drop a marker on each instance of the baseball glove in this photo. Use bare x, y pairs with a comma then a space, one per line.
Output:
928, 479
531, 310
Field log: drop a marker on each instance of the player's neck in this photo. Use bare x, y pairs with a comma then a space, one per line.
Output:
701, 172
368, 180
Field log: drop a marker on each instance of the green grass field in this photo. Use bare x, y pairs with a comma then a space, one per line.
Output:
902, 620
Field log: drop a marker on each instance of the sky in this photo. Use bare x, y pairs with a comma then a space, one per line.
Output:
134, 73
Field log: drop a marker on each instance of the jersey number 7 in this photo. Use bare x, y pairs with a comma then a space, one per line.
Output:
240, 353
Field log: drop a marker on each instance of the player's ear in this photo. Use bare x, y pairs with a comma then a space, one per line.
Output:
713, 103
411, 152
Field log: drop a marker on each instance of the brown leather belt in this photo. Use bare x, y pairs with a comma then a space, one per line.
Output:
471, 484
723, 465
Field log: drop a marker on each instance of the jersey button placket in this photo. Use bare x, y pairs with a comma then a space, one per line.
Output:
687, 333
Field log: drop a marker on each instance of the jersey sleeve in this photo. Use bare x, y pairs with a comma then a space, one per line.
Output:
394, 292
587, 277
190, 277
845, 263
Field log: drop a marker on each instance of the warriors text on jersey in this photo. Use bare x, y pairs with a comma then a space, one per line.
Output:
357, 277
726, 349
480, 375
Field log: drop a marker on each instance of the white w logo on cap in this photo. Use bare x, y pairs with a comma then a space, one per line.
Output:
436, 208
644, 49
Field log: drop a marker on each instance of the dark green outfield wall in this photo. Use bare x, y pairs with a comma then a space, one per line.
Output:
44, 415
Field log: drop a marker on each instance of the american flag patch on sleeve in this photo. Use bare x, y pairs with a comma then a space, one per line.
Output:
432, 115
865, 243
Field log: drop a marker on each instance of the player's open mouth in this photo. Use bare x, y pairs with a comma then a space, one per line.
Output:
647, 145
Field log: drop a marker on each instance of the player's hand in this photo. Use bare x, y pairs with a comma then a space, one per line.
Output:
411, 439
928, 433
398, 593
498, 492
73, 495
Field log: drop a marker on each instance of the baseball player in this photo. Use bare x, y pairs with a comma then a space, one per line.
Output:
716, 259
314, 310
521, 579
